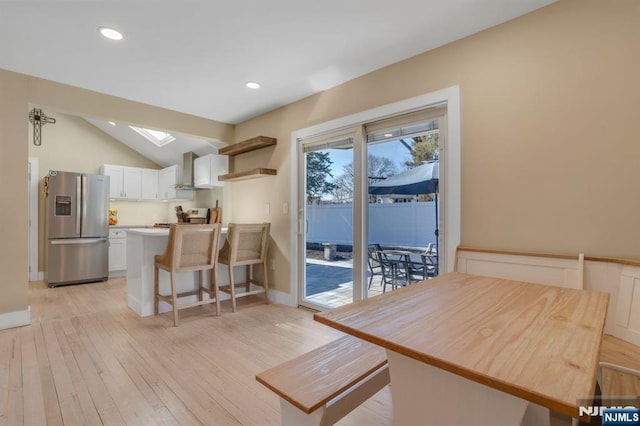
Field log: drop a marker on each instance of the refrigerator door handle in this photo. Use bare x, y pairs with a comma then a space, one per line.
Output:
78, 203
84, 204
78, 241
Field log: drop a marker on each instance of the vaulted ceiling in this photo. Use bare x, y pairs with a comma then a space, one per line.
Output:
195, 56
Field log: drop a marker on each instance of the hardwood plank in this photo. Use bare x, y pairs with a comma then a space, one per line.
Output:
82, 394
132, 405
15, 413
5, 357
91, 372
51, 404
34, 406
67, 399
143, 370
188, 388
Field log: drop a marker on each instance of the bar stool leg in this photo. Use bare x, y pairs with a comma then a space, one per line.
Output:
156, 289
249, 275
174, 298
265, 282
214, 286
232, 284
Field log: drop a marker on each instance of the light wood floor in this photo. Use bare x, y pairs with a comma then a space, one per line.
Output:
87, 359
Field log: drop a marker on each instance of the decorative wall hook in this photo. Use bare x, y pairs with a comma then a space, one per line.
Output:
39, 119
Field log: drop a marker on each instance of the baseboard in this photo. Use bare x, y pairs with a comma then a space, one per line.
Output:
282, 298
117, 274
15, 319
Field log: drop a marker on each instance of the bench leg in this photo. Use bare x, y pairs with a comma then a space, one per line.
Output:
338, 407
292, 416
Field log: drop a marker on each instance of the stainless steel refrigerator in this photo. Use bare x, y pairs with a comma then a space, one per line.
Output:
77, 228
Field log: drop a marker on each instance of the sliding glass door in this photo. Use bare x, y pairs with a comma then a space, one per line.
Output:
403, 202
326, 219
366, 192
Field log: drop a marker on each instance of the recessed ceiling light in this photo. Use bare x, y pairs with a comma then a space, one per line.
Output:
110, 33
111, 122
252, 84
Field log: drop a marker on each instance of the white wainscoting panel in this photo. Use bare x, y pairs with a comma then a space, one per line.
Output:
605, 277
540, 270
627, 308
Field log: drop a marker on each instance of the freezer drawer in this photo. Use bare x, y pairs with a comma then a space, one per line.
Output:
77, 260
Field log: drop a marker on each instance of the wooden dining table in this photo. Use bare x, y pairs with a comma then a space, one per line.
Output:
467, 349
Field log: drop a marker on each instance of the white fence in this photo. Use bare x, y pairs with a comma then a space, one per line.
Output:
393, 224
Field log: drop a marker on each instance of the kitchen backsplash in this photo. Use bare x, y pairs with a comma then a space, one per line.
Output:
140, 213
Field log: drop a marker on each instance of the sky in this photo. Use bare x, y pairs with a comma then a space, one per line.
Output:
393, 150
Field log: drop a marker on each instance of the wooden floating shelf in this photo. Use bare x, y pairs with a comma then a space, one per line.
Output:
249, 174
248, 145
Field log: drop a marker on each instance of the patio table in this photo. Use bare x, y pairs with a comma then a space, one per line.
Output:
466, 349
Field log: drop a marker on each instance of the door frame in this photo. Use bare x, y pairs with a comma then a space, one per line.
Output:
34, 274
451, 201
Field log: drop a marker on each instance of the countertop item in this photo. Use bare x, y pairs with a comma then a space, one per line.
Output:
528, 345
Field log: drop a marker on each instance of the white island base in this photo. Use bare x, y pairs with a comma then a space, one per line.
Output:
143, 245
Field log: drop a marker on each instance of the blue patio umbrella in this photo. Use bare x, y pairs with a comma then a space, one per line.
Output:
422, 179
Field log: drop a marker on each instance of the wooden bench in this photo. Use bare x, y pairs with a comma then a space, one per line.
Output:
619, 356
324, 385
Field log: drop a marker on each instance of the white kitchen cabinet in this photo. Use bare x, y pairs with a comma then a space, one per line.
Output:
207, 168
149, 187
168, 179
117, 250
116, 180
132, 183
125, 182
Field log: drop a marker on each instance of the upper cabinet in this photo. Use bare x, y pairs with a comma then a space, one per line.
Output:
133, 183
258, 142
149, 187
207, 168
168, 180
125, 182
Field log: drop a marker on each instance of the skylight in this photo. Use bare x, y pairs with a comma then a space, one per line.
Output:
157, 137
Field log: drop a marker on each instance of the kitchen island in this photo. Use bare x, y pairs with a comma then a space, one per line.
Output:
143, 244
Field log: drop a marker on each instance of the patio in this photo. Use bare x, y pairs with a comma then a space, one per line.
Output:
329, 282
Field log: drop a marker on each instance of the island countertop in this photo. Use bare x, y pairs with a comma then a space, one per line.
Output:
160, 232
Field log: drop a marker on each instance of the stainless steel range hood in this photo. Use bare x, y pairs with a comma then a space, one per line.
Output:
187, 171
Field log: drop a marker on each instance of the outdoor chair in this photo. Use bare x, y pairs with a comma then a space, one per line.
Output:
395, 272
373, 262
190, 248
419, 271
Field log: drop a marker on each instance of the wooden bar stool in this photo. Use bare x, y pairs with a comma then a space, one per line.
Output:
190, 248
246, 244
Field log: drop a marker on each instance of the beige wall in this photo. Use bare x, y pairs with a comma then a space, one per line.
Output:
74, 145
13, 192
549, 131
19, 92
